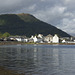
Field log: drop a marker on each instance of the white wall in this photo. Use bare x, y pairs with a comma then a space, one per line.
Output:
55, 39
18, 39
35, 39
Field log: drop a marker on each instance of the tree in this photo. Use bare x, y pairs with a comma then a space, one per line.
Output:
6, 34
1, 35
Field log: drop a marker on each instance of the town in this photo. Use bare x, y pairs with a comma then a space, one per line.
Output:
40, 39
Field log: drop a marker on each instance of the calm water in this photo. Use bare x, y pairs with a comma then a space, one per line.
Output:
39, 59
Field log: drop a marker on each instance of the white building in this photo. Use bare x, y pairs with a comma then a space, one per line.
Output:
35, 39
32, 37
63, 41
48, 38
40, 36
18, 39
55, 39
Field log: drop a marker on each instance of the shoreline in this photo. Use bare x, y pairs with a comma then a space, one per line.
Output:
23, 43
4, 71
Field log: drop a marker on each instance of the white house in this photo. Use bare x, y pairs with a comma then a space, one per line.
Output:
48, 38
55, 39
68, 40
18, 39
63, 41
32, 37
40, 36
35, 39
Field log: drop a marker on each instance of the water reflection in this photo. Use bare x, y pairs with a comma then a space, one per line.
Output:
39, 59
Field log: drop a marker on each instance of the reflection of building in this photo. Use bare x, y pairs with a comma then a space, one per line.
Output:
56, 56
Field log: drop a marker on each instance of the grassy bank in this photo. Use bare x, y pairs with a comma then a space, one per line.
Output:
4, 71
22, 43
14, 43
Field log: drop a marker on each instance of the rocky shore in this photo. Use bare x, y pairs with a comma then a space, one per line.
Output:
4, 71
23, 43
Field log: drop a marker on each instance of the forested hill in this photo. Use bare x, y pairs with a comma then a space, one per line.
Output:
26, 24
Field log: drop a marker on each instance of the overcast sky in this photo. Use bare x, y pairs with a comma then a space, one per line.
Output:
60, 13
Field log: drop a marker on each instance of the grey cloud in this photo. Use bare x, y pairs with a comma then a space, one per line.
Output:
51, 15
68, 25
7, 6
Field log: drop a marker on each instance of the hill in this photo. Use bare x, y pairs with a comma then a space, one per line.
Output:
26, 24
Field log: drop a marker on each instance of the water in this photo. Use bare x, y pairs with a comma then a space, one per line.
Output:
39, 59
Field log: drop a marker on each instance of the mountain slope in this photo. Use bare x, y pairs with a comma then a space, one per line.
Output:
26, 24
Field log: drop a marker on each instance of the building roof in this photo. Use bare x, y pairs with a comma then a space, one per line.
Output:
49, 35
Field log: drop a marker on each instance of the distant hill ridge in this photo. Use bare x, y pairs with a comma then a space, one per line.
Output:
27, 24
27, 17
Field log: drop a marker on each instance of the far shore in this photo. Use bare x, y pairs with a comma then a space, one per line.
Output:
23, 43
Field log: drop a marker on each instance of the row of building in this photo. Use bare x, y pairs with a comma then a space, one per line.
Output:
41, 39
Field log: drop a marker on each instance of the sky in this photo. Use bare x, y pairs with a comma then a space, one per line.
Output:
60, 13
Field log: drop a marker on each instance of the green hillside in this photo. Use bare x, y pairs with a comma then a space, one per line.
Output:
26, 24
